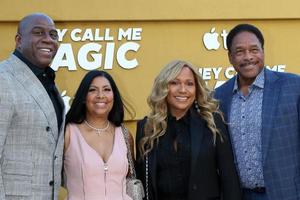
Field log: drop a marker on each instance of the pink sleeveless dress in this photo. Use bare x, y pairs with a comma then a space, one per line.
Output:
88, 177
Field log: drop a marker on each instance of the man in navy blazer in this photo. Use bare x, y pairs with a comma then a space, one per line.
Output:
262, 109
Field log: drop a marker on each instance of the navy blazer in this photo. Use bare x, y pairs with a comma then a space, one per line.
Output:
280, 132
212, 175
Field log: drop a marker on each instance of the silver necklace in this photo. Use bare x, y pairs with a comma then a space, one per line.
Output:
98, 130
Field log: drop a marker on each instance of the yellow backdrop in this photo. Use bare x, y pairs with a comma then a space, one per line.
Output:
158, 32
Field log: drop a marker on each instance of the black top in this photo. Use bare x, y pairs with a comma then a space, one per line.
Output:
212, 174
173, 166
46, 76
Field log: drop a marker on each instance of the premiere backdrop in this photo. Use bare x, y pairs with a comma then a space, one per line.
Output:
133, 40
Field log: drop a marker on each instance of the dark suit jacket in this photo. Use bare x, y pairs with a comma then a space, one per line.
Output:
280, 132
212, 169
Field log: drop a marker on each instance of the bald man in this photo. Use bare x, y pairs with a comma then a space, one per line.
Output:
31, 115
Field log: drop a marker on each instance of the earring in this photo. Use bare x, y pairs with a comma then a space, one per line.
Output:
197, 106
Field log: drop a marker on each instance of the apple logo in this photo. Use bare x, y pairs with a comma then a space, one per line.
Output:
210, 40
66, 100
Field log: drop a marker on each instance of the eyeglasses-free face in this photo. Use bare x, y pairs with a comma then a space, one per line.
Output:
246, 56
38, 41
182, 93
100, 98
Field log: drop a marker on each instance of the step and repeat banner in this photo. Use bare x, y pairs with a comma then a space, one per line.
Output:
133, 40
134, 52
133, 43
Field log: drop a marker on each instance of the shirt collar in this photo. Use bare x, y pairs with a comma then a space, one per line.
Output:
258, 82
185, 119
38, 71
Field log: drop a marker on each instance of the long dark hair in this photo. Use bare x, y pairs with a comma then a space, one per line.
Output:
77, 112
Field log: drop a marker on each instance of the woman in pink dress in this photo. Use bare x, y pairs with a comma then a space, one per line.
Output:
95, 160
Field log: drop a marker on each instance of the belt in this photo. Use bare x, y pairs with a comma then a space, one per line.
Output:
256, 189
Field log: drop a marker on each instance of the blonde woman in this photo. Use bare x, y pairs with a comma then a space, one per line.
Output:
183, 147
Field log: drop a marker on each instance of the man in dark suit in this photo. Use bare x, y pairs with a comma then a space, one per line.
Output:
31, 115
262, 109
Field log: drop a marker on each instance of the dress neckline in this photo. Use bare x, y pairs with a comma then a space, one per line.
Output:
96, 152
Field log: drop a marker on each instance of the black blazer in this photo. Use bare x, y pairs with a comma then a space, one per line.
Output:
213, 174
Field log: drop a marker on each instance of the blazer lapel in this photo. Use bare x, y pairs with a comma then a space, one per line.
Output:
61, 102
225, 98
152, 169
35, 88
270, 103
196, 130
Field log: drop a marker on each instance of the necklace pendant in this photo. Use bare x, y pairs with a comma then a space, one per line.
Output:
98, 132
